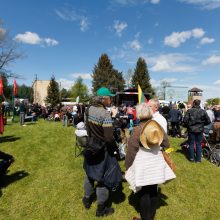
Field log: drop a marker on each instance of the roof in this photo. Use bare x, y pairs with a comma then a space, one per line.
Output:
194, 89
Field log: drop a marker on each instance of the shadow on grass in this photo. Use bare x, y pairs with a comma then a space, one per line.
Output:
9, 179
133, 199
9, 138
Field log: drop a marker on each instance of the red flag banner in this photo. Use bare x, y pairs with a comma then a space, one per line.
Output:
15, 88
1, 86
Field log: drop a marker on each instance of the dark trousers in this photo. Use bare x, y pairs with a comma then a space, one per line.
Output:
148, 202
175, 128
102, 193
195, 141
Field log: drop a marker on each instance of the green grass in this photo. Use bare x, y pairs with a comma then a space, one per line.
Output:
46, 180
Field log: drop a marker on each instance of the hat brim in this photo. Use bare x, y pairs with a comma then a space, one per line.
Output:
143, 138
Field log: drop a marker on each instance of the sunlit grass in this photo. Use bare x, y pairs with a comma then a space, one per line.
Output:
46, 180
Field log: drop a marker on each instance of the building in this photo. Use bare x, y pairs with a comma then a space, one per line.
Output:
195, 93
40, 91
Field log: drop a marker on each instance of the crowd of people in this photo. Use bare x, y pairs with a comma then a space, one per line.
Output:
143, 129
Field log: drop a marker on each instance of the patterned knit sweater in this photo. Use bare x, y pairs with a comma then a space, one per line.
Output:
100, 124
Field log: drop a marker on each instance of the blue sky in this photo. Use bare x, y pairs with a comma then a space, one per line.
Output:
179, 39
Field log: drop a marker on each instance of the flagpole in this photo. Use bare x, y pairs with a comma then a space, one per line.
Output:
13, 104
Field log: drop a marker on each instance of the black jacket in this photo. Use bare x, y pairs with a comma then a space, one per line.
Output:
174, 115
195, 120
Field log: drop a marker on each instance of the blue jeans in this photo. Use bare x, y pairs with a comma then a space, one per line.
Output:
195, 140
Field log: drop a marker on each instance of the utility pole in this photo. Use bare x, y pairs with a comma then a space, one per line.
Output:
60, 92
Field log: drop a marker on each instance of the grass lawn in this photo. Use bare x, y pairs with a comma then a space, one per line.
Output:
46, 180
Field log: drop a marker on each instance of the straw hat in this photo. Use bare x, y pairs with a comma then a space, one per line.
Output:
151, 135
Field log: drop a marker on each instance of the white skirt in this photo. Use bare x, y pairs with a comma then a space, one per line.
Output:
148, 168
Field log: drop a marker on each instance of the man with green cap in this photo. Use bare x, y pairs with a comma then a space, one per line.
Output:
100, 163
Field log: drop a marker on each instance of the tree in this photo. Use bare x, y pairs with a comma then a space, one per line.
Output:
104, 75
128, 77
8, 51
25, 92
53, 95
116, 82
141, 77
162, 89
80, 89
214, 101
65, 93
7, 89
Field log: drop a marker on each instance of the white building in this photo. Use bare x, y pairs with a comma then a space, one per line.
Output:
40, 91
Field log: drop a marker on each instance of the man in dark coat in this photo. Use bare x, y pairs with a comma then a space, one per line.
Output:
100, 163
195, 120
175, 117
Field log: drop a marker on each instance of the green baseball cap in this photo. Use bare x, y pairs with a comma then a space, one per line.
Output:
103, 91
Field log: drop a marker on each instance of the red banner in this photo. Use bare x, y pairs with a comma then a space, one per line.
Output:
15, 88
1, 86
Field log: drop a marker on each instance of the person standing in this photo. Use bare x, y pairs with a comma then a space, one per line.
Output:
175, 117
22, 112
144, 162
154, 105
100, 163
195, 119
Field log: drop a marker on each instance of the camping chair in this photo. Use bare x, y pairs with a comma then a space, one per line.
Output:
79, 145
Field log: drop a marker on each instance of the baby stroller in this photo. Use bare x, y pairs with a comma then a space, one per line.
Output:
210, 149
119, 138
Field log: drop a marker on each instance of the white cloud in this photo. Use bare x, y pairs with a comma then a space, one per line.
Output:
135, 44
50, 42
171, 63
207, 40
135, 2
169, 80
2, 32
74, 16
119, 27
34, 39
217, 82
84, 24
212, 60
204, 4
28, 38
150, 40
156, 24
155, 1
65, 83
86, 76
198, 32
177, 38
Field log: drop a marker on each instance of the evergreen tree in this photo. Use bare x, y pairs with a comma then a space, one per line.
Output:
141, 77
53, 95
80, 89
25, 92
65, 93
116, 82
104, 75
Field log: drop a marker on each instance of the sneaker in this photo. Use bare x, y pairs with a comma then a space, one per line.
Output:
102, 210
87, 202
191, 160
